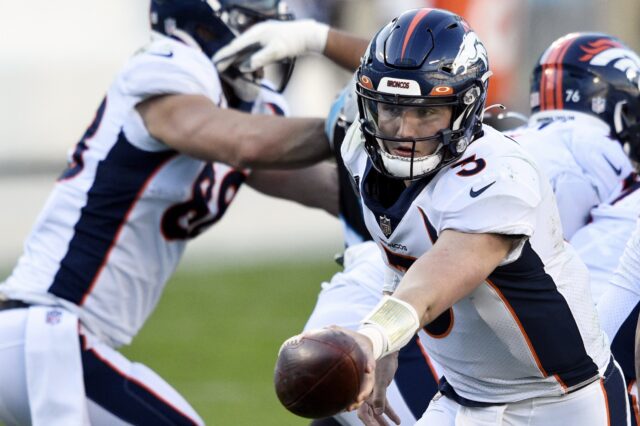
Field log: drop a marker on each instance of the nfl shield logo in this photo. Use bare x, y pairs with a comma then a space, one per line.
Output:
385, 225
53, 317
598, 104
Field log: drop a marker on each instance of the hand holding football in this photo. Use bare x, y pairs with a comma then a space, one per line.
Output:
319, 373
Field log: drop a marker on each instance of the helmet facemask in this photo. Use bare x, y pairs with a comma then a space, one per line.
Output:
240, 15
410, 137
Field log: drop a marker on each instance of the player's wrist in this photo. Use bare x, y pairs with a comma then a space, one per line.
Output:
317, 35
376, 336
390, 325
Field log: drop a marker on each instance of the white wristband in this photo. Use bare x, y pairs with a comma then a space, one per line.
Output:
377, 337
390, 326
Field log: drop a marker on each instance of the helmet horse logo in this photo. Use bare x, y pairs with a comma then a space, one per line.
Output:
471, 51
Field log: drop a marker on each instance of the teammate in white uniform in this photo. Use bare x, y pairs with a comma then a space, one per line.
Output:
600, 78
581, 153
146, 177
470, 227
601, 244
583, 101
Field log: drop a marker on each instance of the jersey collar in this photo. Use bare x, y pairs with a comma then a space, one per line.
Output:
566, 115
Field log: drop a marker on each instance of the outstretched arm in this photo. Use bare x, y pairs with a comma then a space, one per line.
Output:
439, 278
194, 125
345, 49
315, 186
275, 40
434, 282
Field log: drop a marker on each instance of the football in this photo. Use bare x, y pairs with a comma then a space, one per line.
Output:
318, 374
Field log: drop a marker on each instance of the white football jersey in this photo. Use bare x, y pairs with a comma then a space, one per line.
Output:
116, 224
583, 163
601, 243
627, 274
530, 329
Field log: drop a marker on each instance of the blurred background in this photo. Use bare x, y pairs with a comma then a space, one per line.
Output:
59, 57
57, 61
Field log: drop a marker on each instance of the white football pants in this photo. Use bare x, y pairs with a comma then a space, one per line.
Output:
51, 374
601, 403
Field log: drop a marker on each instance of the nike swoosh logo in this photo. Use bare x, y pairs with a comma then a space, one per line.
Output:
616, 170
474, 193
164, 55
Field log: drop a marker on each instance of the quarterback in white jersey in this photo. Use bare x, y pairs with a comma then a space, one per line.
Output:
146, 177
469, 226
357, 289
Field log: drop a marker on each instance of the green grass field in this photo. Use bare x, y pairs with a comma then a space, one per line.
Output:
216, 333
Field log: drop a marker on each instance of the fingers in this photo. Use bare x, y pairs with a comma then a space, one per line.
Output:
268, 55
226, 55
391, 414
368, 416
378, 399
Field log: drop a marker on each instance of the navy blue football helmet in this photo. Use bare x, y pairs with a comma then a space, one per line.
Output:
242, 14
422, 59
596, 74
215, 23
200, 19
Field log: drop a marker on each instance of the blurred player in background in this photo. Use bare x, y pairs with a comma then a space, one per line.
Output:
582, 106
353, 292
604, 76
471, 229
146, 177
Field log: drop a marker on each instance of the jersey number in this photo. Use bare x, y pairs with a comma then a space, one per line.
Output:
76, 163
190, 218
470, 166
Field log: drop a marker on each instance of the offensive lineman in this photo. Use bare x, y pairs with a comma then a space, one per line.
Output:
146, 177
583, 104
609, 79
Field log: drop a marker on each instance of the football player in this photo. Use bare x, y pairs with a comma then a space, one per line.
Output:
148, 175
357, 289
583, 104
609, 75
353, 292
614, 284
577, 129
468, 224
582, 167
